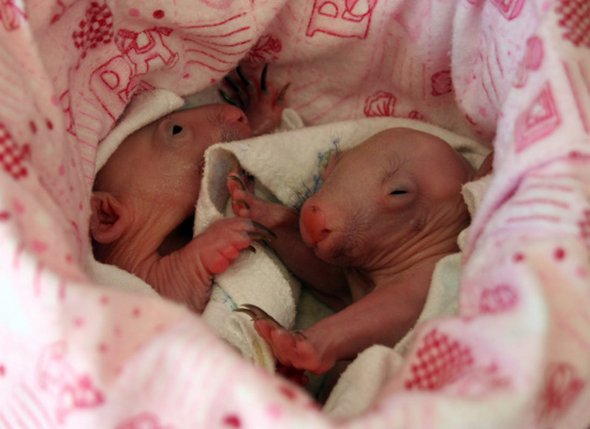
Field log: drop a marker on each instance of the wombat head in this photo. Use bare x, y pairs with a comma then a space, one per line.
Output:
396, 193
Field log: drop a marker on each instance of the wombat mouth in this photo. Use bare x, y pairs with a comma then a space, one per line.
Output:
178, 237
333, 250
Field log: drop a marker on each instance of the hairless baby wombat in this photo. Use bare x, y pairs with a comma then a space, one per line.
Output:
144, 198
367, 242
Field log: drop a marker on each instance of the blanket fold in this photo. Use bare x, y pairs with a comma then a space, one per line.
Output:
512, 74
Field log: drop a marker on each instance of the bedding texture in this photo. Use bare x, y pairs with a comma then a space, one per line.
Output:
512, 75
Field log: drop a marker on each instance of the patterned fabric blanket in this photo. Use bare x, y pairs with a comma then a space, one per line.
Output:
514, 74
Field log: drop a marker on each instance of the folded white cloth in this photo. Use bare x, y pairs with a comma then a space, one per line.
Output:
143, 109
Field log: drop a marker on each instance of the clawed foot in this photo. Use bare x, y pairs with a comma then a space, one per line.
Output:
241, 190
185, 275
291, 348
223, 241
256, 313
246, 204
262, 103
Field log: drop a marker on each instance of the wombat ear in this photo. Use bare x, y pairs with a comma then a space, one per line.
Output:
109, 219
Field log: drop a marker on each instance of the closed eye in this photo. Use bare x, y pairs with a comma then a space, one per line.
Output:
398, 192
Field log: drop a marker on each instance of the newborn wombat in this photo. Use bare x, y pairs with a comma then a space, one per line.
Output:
367, 242
143, 201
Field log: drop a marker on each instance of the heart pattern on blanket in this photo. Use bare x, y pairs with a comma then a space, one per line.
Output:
266, 50
438, 360
499, 298
562, 386
94, 29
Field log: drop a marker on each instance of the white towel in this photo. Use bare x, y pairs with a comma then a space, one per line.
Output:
145, 108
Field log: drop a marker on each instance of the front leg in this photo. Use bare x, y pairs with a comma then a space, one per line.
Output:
186, 275
292, 349
383, 317
328, 281
247, 205
260, 100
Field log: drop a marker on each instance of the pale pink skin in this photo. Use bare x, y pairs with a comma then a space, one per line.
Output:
369, 253
148, 190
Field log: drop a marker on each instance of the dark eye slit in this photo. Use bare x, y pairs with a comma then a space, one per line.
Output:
398, 192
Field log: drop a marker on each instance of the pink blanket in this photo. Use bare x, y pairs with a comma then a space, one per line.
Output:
512, 73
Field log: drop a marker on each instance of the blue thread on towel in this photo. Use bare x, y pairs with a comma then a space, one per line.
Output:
221, 296
322, 158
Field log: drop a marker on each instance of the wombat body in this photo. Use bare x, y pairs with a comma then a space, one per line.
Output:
367, 242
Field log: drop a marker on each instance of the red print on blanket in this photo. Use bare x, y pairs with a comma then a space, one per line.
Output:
532, 60
499, 298
441, 83
218, 4
11, 15
115, 81
382, 103
61, 7
538, 121
414, 114
265, 51
341, 18
584, 225
562, 387
96, 28
71, 390
510, 9
412, 19
439, 360
65, 102
142, 421
13, 157
579, 82
573, 19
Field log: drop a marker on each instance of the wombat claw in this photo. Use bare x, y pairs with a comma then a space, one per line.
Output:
238, 91
261, 233
243, 78
298, 333
227, 98
265, 229
281, 95
255, 313
238, 180
263, 86
260, 237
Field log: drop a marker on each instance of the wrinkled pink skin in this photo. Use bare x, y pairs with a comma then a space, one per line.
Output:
148, 189
367, 242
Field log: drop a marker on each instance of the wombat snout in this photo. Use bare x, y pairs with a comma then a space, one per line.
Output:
313, 225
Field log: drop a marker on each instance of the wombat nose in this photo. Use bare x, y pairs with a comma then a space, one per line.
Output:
313, 224
232, 114
232, 123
